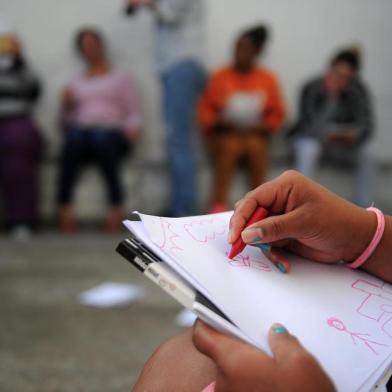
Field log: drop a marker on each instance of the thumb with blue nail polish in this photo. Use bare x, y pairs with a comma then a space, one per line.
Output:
240, 367
283, 345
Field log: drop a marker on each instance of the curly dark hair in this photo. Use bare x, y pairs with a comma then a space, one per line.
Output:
258, 35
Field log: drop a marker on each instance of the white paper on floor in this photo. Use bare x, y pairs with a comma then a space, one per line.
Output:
111, 295
185, 319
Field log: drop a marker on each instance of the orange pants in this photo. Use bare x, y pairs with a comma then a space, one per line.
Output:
228, 151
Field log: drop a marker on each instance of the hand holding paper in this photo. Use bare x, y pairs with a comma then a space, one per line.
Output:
246, 368
254, 295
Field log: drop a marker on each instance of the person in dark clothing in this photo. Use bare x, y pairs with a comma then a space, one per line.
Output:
336, 119
20, 140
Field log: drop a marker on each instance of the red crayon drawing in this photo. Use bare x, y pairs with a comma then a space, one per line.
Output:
249, 262
355, 336
169, 237
205, 230
377, 303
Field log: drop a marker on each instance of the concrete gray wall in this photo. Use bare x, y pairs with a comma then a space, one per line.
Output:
305, 33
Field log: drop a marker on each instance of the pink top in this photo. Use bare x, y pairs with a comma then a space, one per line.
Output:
209, 388
108, 101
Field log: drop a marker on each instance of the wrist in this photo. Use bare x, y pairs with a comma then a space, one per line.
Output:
378, 263
362, 227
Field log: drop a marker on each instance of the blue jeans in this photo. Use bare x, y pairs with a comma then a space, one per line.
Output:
182, 86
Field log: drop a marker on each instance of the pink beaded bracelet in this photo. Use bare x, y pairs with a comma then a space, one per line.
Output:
375, 241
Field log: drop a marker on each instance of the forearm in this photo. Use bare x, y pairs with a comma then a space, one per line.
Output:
363, 133
380, 262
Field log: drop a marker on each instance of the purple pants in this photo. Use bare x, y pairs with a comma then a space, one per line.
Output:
20, 149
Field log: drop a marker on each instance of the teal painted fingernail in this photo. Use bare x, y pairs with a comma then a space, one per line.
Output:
281, 267
252, 235
279, 329
264, 247
257, 239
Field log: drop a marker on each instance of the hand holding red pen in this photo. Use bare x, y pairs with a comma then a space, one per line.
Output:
305, 218
276, 257
239, 245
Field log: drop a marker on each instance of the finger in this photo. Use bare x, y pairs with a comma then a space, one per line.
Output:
237, 204
283, 345
240, 216
209, 341
275, 228
273, 195
216, 345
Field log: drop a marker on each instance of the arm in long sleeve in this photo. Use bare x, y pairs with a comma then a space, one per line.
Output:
33, 87
364, 121
308, 110
312, 104
132, 107
209, 105
21, 85
275, 110
67, 107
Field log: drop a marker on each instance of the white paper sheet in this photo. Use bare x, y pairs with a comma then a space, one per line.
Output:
111, 295
343, 317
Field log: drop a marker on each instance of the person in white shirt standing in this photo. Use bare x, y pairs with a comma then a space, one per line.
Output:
179, 31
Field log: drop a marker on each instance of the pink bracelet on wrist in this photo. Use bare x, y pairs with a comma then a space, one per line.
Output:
375, 241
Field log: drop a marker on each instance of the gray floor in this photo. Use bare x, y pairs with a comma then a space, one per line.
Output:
48, 342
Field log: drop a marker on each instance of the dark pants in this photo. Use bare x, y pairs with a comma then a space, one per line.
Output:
101, 147
20, 149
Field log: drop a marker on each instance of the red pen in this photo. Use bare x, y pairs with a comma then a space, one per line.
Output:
239, 245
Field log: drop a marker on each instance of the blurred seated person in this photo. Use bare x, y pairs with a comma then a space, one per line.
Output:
241, 107
20, 140
102, 120
336, 120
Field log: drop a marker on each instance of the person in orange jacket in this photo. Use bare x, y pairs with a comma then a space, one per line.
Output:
239, 110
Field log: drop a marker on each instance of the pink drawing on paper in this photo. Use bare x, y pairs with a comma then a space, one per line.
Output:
169, 237
205, 230
377, 303
249, 262
355, 336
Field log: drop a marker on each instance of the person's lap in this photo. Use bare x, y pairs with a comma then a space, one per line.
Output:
176, 366
99, 148
235, 147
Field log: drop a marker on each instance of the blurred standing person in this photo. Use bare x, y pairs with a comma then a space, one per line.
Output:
239, 111
20, 140
336, 119
179, 28
102, 120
